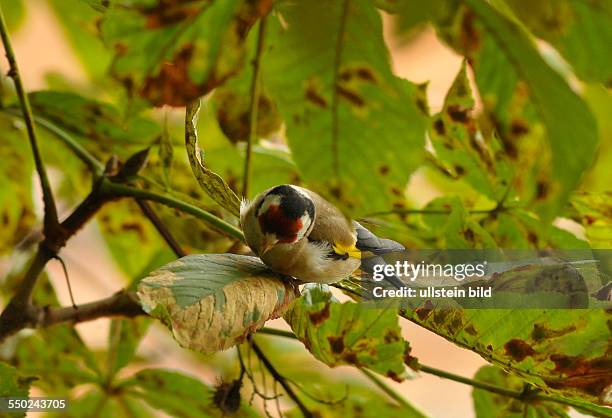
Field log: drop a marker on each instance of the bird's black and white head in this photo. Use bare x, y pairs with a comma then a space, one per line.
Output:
285, 215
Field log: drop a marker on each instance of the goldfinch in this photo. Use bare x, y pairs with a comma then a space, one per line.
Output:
298, 233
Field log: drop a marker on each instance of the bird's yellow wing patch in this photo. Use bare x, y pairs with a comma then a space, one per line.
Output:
352, 251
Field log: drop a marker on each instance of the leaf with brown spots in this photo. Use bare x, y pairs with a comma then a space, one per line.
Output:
345, 111
133, 241
457, 229
462, 149
492, 405
173, 52
98, 126
520, 90
212, 302
573, 360
594, 212
349, 333
519, 228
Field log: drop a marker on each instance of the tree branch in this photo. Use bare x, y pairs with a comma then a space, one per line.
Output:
120, 304
51, 221
253, 107
19, 313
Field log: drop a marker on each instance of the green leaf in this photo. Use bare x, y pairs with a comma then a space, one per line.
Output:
123, 339
14, 385
526, 101
97, 404
594, 212
58, 357
126, 231
518, 228
457, 229
232, 105
98, 126
600, 102
359, 403
565, 351
174, 53
492, 405
354, 129
211, 182
16, 208
455, 138
14, 13
349, 333
270, 167
213, 301
179, 395
232, 101
410, 16
580, 30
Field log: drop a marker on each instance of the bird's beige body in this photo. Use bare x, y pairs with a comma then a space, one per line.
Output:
307, 259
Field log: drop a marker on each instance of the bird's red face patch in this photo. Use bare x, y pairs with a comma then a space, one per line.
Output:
274, 221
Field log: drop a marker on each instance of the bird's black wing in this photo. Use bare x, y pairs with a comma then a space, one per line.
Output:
367, 242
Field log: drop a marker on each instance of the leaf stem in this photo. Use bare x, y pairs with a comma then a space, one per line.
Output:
335, 124
253, 107
382, 385
124, 190
96, 167
430, 211
475, 383
51, 221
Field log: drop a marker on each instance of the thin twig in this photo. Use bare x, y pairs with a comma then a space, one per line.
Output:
253, 107
280, 379
50, 217
335, 123
61, 261
161, 228
430, 212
